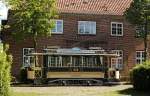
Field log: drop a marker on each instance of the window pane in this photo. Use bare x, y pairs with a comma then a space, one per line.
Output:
59, 22
87, 28
138, 54
55, 26
120, 61
31, 51
26, 61
138, 61
53, 62
119, 25
114, 31
59, 28
93, 28
31, 61
119, 31
25, 51
54, 29
81, 29
113, 25
81, 23
143, 54
113, 62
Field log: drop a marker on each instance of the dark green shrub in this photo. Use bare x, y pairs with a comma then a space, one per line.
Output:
23, 75
140, 76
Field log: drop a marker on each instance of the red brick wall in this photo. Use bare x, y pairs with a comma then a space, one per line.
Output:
128, 43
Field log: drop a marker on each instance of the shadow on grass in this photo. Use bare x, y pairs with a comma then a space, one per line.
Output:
132, 92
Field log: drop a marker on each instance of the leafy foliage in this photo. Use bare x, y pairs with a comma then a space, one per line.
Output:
32, 18
137, 11
140, 76
5, 76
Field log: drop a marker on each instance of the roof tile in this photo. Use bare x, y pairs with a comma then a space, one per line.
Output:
109, 7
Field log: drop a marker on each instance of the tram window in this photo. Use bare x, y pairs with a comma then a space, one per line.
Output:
76, 61
84, 61
90, 61
28, 60
54, 61
117, 62
66, 61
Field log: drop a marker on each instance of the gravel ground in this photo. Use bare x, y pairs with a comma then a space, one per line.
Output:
72, 90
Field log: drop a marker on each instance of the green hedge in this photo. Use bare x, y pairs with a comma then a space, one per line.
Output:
5, 75
140, 76
23, 76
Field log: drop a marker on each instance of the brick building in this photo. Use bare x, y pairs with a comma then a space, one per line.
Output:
84, 24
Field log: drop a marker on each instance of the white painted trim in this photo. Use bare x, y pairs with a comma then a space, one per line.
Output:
117, 31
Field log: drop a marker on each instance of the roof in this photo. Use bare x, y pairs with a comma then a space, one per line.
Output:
108, 7
76, 52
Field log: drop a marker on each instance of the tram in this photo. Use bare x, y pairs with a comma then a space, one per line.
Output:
66, 66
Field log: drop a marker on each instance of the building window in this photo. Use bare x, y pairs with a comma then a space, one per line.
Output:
116, 29
117, 63
86, 27
28, 60
139, 57
58, 29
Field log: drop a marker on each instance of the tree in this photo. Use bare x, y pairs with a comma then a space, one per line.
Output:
5, 76
33, 18
138, 14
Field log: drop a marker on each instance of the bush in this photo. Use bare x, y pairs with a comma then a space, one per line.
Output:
140, 76
5, 76
23, 75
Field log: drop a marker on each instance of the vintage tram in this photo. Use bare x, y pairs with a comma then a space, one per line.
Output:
62, 66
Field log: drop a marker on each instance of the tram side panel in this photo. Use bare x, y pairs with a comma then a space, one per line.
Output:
75, 72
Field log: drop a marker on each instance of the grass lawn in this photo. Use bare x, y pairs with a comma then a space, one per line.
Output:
48, 94
25, 94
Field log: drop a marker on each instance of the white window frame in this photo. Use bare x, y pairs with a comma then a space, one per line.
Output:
116, 29
117, 65
141, 58
56, 27
29, 57
90, 33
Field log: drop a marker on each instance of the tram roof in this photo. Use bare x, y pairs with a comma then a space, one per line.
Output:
76, 54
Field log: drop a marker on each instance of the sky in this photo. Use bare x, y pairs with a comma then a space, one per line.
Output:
3, 11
